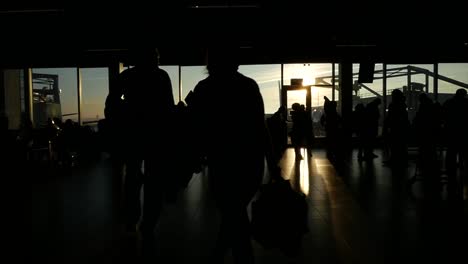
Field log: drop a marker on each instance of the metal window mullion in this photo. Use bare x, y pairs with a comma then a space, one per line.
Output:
79, 92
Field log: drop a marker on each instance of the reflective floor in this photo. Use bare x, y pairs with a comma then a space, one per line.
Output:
360, 213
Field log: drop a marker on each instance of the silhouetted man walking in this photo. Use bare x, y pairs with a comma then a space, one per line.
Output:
147, 93
235, 144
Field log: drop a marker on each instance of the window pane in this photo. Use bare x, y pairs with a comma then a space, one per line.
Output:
312, 74
173, 72
191, 75
452, 76
320, 74
54, 94
268, 78
398, 77
364, 93
95, 87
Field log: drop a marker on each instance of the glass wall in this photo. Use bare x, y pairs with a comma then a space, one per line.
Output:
364, 93
95, 87
173, 72
268, 78
412, 80
55, 94
452, 76
191, 75
313, 74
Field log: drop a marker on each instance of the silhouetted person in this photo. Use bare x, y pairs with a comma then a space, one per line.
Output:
299, 129
277, 128
309, 129
233, 144
439, 119
456, 129
185, 153
396, 129
427, 128
149, 102
53, 132
333, 124
316, 115
24, 139
112, 128
117, 131
67, 143
359, 128
372, 116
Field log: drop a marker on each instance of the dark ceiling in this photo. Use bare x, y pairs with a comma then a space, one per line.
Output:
84, 33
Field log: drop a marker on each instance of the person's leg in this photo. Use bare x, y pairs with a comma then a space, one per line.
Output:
241, 244
297, 151
233, 193
234, 233
370, 147
451, 170
223, 241
132, 189
152, 206
295, 140
361, 144
152, 198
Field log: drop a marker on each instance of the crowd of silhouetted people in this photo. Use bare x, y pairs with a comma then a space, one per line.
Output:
437, 133
233, 147
157, 145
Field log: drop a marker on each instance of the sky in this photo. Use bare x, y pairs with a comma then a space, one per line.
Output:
95, 83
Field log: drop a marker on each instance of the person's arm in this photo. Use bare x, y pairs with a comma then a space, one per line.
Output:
168, 86
194, 118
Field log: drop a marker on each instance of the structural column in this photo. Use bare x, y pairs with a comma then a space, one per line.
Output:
346, 95
28, 96
436, 82
79, 93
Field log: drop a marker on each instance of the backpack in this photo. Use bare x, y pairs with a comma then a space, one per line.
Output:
279, 216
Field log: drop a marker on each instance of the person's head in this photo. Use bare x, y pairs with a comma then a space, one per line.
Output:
398, 96
223, 58
296, 106
144, 56
460, 93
